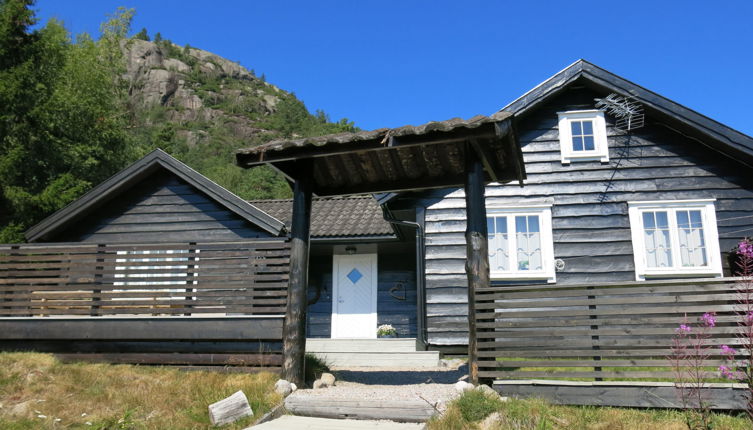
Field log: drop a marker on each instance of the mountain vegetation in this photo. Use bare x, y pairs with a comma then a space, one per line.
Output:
75, 110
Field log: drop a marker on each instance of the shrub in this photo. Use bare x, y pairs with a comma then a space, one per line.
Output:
313, 368
475, 405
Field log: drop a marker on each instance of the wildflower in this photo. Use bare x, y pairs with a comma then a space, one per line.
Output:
745, 248
749, 318
684, 328
726, 350
726, 372
709, 318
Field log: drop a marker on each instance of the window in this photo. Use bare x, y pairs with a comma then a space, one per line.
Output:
520, 243
583, 136
674, 238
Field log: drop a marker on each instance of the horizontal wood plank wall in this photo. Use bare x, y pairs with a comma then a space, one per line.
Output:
245, 278
591, 236
162, 208
218, 303
617, 330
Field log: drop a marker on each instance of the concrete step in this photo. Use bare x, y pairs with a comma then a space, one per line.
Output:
290, 422
380, 359
361, 345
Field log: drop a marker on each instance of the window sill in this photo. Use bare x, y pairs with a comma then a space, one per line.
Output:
538, 276
679, 273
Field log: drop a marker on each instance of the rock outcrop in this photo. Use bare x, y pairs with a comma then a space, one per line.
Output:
193, 85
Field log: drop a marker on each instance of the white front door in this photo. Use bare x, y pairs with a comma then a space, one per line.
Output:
354, 296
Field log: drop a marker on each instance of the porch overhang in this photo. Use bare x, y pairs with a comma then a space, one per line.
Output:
405, 158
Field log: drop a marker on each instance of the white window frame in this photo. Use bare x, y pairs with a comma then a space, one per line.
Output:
601, 147
544, 213
710, 237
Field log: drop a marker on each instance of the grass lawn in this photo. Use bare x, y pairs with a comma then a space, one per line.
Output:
39, 392
472, 407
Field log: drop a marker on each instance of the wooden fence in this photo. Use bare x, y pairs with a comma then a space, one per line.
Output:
203, 303
607, 334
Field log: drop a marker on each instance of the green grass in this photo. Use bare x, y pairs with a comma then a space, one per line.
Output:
466, 412
121, 397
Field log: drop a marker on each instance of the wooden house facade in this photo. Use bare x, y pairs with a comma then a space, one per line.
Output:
684, 173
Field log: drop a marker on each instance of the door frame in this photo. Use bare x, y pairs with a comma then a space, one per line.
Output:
336, 261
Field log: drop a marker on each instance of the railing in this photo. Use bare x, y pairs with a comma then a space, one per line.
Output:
597, 332
187, 279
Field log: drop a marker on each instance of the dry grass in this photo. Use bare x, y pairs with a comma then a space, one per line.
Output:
102, 396
536, 414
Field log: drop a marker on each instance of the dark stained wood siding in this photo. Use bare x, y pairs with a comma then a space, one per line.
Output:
162, 208
591, 237
391, 270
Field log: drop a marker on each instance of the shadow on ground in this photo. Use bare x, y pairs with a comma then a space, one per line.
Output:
402, 377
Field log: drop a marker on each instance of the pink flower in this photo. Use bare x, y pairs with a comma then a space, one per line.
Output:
726, 372
684, 328
745, 248
726, 350
709, 318
749, 318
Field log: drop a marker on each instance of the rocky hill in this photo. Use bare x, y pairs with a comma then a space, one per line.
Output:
200, 107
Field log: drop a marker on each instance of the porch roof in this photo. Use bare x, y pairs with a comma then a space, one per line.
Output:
431, 155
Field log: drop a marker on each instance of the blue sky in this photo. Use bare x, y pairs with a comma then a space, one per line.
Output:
390, 63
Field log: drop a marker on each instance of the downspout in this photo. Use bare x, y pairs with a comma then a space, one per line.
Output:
420, 270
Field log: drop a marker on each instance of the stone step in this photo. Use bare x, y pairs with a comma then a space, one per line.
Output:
290, 422
361, 345
380, 359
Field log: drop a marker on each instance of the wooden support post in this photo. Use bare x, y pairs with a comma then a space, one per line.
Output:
294, 331
477, 246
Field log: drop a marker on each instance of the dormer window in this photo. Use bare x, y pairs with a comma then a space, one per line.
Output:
583, 136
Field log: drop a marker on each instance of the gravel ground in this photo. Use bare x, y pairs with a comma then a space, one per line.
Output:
435, 386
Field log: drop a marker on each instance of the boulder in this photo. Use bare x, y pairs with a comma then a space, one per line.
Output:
487, 390
283, 387
293, 387
328, 379
320, 384
462, 386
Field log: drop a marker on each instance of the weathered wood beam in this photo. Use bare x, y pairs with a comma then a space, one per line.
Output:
476, 239
506, 131
294, 331
486, 157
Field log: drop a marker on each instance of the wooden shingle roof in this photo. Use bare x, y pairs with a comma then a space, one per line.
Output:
336, 217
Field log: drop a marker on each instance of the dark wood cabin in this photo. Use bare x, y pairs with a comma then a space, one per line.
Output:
678, 157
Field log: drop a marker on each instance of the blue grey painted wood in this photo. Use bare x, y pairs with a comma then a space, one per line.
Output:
392, 269
591, 237
162, 208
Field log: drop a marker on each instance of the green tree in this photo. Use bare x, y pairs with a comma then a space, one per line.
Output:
62, 122
142, 35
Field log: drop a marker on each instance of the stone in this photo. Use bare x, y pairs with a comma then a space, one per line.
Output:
320, 384
462, 386
230, 409
487, 390
491, 422
20, 409
328, 379
283, 387
293, 387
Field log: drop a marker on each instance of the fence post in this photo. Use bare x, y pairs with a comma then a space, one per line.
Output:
190, 274
98, 275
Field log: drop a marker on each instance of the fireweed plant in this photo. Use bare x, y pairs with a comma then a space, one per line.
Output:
739, 363
690, 351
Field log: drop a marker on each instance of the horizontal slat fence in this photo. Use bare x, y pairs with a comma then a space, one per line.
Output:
597, 332
63, 280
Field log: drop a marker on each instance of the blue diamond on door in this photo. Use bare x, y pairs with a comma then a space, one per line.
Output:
354, 275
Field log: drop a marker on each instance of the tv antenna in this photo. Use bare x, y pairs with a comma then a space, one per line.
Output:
628, 112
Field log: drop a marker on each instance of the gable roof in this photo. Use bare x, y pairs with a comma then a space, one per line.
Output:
132, 175
704, 129
337, 217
